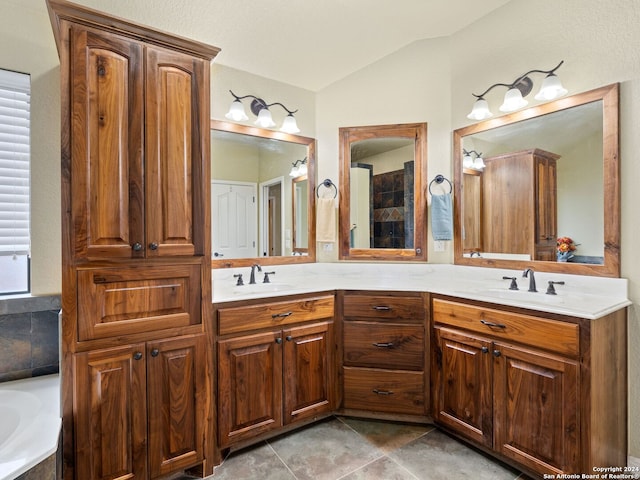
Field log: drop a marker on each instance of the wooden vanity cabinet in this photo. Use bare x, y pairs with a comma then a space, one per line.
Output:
527, 388
519, 211
385, 354
136, 249
276, 366
140, 408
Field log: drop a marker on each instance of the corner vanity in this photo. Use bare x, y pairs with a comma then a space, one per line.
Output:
535, 379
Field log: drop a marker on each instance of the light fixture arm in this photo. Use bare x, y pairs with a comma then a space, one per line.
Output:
258, 104
522, 83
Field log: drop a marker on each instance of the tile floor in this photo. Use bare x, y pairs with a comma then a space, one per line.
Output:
355, 449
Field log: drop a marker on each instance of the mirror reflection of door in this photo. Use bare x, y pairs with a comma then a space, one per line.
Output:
271, 217
382, 182
234, 213
300, 214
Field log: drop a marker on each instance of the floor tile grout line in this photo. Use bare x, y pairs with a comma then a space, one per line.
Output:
280, 458
403, 467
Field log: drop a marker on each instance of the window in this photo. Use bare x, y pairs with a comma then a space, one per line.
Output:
14, 181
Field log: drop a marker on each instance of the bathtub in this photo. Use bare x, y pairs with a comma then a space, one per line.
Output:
29, 423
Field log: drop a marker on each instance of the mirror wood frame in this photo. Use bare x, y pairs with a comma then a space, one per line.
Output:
310, 143
349, 135
609, 96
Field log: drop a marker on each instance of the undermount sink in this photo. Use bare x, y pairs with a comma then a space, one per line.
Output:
261, 288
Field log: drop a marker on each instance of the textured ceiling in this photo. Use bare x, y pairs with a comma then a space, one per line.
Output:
305, 43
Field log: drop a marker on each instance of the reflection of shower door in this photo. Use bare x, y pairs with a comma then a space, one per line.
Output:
234, 220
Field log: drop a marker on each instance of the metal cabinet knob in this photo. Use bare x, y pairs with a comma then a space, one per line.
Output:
136, 247
155, 352
153, 246
137, 356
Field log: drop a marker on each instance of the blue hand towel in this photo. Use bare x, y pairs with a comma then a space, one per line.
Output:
442, 217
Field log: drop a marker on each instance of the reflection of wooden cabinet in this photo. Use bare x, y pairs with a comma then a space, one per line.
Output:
273, 377
384, 352
528, 387
125, 393
472, 211
519, 204
135, 175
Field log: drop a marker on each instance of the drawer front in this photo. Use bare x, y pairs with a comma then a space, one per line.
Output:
274, 314
384, 390
553, 335
372, 344
128, 300
384, 307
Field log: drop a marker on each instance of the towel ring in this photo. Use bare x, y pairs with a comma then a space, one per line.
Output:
439, 179
328, 184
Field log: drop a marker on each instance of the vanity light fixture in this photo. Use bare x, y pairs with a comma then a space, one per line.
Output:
299, 168
260, 109
469, 162
514, 98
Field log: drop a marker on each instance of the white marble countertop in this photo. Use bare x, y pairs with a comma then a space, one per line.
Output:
580, 296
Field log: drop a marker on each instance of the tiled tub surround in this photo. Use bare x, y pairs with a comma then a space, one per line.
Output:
29, 344
580, 296
30, 428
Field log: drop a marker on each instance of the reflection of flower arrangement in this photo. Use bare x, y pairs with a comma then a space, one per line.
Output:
564, 247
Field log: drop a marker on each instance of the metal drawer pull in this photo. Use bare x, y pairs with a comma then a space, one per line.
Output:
281, 315
493, 325
382, 392
381, 308
384, 345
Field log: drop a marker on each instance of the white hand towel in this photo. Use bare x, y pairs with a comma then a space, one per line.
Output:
326, 220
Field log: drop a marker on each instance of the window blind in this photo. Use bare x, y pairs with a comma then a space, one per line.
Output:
14, 163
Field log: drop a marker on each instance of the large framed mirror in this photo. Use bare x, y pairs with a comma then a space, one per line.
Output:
550, 172
262, 196
383, 192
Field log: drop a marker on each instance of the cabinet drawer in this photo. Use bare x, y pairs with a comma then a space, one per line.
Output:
384, 390
553, 335
384, 307
128, 300
274, 314
372, 344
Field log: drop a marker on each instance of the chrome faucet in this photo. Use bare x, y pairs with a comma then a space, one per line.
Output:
252, 278
532, 280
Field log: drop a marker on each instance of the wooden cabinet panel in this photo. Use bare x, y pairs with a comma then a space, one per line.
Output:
106, 94
274, 314
111, 417
173, 148
462, 379
176, 392
308, 367
375, 344
536, 409
249, 386
556, 336
127, 300
390, 391
384, 307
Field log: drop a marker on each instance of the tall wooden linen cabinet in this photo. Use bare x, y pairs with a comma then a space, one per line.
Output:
136, 248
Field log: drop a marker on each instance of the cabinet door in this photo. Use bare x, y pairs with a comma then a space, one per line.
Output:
535, 408
546, 214
107, 126
309, 367
176, 385
249, 386
463, 384
174, 155
111, 415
